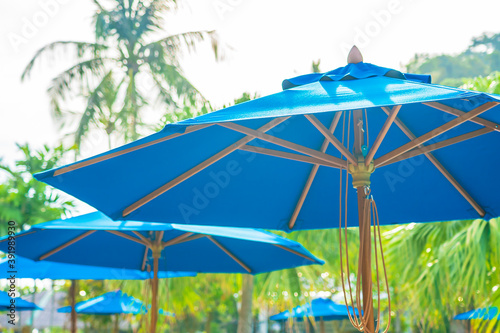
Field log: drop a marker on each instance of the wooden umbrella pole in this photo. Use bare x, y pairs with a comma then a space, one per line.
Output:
366, 261
73, 305
322, 325
154, 292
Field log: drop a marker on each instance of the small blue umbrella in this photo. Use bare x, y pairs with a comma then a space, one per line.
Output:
94, 239
489, 313
13, 304
322, 309
29, 269
114, 302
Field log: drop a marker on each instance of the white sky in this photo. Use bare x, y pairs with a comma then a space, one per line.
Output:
269, 40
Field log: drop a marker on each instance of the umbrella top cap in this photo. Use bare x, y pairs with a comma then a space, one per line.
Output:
356, 69
354, 56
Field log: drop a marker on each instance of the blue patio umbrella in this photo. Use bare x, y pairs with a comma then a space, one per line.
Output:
94, 239
426, 152
29, 269
14, 304
26, 268
113, 302
322, 309
489, 313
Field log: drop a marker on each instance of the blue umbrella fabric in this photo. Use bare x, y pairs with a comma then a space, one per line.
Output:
29, 269
16, 303
95, 240
261, 163
489, 313
319, 308
114, 302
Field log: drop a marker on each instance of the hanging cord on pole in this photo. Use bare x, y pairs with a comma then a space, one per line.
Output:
360, 321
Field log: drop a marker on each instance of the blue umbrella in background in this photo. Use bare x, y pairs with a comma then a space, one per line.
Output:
428, 152
113, 302
94, 239
489, 313
322, 309
26, 268
13, 304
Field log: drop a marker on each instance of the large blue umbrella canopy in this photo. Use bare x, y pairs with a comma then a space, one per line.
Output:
113, 302
94, 239
29, 269
19, 304
489, 313
319, 308
260, 163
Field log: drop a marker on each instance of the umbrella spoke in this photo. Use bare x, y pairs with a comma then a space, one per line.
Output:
312, 174
381, 135
443, 170
284, 143
331, 138
435, 132
177, 239
439, 145
188, 239
131, 238
229, 253
65, 245
294, 252
193, 171
285, 155
456, 112
106, 157
145, 258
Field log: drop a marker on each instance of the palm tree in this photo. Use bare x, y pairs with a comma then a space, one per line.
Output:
124, 63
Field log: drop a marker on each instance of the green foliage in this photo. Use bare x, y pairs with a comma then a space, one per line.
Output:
482, 57
489, 84
123, 72
26, 200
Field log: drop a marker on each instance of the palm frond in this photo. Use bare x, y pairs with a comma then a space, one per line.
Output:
81, 49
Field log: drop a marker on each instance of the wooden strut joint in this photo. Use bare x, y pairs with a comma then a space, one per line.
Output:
294, 252
312, 175
284, 143
435, 132
99, 159
286, 155
330, 137
193, 171
381, 135
443, 170
65, 245
448, 109
439, 145
241, 263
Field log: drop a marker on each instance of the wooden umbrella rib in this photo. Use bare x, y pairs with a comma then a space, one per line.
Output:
145, 258
177, 239
131, 238
448, 109
439, 145
443, 170
383, 132
144, 239
20, 235
295, 252
193, 171
189, 239
286, 155
284, 143
106, 157
65, 245
331, 138
434, 133
312, 175
229, 253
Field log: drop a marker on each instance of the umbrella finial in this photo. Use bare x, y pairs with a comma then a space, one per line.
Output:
354, 56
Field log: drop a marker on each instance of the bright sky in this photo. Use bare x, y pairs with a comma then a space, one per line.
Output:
268, 42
